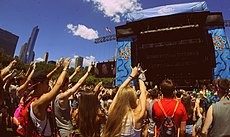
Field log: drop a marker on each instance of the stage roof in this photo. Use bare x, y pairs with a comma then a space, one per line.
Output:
167, 10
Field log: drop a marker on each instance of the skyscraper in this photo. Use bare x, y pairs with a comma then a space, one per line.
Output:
22, 55
78, 61
31, 43
46, 57
8, 42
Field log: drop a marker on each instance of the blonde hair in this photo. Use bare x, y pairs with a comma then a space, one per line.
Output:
121, 107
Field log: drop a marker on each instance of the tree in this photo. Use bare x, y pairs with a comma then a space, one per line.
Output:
6, 59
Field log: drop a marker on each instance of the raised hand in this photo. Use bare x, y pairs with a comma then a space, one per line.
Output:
67, 62
77, 69
134, 70
60, 62
89, 68
142, 74
97, 87
13, 63
34, 65
31, 64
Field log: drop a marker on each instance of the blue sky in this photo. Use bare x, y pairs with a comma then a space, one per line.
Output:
86, 18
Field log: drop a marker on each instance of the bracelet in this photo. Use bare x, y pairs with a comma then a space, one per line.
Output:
33, 68
131, 77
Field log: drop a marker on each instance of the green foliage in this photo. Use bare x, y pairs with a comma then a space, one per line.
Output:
46, 68
92, 80
6, 59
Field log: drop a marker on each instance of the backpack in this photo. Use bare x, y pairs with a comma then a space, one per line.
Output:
26, 128
168, 127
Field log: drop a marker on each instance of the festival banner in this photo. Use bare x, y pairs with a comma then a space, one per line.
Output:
123, 62
221, 46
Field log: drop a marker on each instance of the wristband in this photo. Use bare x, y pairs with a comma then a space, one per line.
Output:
33, 68
131, 77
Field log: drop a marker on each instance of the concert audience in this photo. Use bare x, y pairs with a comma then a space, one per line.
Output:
60, 108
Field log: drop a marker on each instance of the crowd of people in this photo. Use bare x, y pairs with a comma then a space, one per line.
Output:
33, 104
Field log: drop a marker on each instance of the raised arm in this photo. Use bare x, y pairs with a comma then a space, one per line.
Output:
5, 70
39, 106
9, 79
46, 98
74, 74
9, 76
133, 74
142, 101
23, 87
29, 69
58, 66
97, 88
71, 91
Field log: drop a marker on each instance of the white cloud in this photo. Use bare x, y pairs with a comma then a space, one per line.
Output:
116, 18
82, 31
87, 60
39, 59
116, 8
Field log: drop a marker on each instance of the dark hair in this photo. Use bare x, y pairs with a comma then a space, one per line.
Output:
38, 77
167, 88
179, 93
1, 90
106, 97
188, 104
223, 85
88, 111
153, 93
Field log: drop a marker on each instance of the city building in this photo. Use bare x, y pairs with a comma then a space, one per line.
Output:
46, 57
78, 61
27, 50
31, 43
22, 55
8, 42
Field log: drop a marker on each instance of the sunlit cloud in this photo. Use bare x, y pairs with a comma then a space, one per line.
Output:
115, 9
82, 31
39, 59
